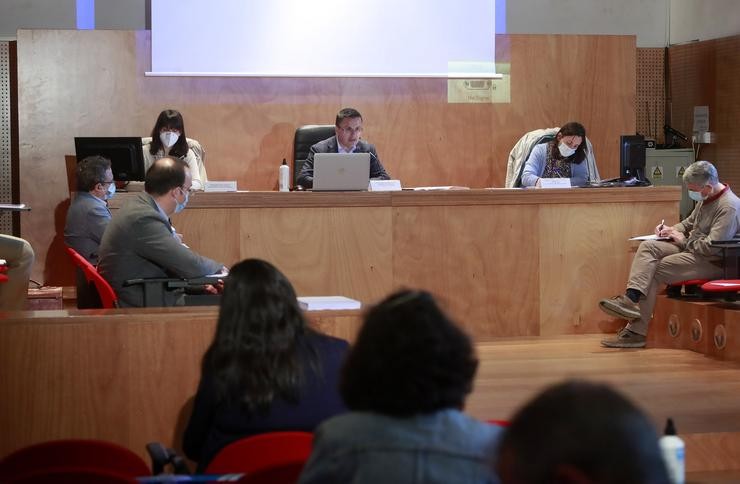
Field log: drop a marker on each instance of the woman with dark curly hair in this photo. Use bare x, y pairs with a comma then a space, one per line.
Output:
405, 382
265, 370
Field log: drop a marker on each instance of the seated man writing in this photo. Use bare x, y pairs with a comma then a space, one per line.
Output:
140, 243
687, 255
348, 129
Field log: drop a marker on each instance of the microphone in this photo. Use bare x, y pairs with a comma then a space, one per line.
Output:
372, 155
675, 133
366, 149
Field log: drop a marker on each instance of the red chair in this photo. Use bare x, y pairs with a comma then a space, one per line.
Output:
72, 454
3, 270
105, 291
726, 289
276, 457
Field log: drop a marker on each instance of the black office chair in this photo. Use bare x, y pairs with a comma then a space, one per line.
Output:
305, 137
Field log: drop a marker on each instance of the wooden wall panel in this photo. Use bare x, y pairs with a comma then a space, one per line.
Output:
692, 74
52, 363
214, 232
560, 78
724, 118
92, 83
324, 251
507, 262
126, 376
707, 73
480, 261
584, 252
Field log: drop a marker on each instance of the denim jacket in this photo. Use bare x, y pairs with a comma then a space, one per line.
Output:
444, 447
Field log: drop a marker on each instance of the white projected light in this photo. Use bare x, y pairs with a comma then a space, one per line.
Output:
323, 38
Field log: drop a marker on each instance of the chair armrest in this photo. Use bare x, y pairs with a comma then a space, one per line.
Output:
720, 243
154, 287
162, 456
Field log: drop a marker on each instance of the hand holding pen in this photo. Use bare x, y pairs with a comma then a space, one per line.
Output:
660, 228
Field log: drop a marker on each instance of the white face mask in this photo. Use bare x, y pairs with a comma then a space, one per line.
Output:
111, 191
565, 150
169, 138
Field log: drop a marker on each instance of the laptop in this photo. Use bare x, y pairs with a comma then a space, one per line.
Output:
341, 171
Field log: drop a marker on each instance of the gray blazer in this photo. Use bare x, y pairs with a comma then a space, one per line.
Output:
329, 145
139, 243
87, 218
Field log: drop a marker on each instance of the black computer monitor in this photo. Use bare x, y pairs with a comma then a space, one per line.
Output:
632, 157
125, 154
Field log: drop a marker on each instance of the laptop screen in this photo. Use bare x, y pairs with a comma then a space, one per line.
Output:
341, 171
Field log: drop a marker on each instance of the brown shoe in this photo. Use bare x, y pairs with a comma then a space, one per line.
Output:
620, 307
625, 339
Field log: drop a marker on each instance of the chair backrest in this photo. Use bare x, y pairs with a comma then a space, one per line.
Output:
72, 454
305, 137
107, 295
77, 475
526, 151
269, 452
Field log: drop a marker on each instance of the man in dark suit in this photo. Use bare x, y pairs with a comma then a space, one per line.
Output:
140, 242
87, 218
348, 129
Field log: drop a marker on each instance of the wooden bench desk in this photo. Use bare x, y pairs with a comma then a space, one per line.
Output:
123, 375
504, 262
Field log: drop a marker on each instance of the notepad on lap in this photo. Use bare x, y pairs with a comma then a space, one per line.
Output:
341, 171
321, 303
650, 237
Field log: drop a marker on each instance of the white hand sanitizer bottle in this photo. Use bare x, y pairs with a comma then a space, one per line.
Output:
284, 177
674, 453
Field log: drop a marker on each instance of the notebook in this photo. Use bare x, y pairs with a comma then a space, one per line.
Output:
341, 171
319, 303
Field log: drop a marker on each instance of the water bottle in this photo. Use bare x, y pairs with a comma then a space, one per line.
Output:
674, 450
284, 177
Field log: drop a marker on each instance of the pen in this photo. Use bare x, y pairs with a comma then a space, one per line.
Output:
662, 224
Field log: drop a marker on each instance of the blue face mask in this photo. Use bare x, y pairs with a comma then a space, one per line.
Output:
181, 206
696, 196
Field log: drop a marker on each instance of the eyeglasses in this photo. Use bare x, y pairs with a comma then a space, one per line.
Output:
189, 191
351, 130
103, 182
169, 130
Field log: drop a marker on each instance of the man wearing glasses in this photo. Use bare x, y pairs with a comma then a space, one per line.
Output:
348, 129
140, 242
87, 218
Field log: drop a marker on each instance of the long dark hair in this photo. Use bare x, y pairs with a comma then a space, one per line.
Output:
169, 118
254, 357
570, 129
